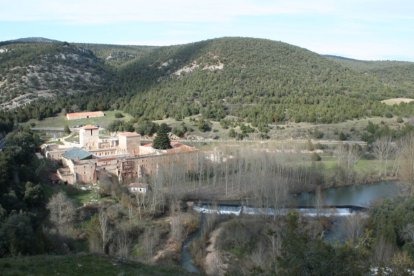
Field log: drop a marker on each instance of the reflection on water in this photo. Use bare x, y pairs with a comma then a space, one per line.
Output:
357, 195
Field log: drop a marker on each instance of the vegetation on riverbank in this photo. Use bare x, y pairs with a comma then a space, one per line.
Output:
81, 264
109, 220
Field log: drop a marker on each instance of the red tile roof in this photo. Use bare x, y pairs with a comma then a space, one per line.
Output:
90, 127
80, 115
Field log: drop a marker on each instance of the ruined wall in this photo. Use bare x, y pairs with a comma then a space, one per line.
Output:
109, 165
85, 171
55, 155
133, 168
66, 175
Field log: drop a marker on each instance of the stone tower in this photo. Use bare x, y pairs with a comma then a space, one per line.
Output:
89, 137
129, 142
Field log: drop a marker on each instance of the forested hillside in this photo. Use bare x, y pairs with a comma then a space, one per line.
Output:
117, 55
259, 81
397, 74
32, 70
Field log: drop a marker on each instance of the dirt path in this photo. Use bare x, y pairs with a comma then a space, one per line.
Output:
171, 249
213, 263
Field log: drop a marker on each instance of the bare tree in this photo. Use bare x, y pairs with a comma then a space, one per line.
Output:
347, 155
140, 200
383, 251
383, 150
318, 200
122, 242
151, 238
62, 212
407, 233
406, 162
104, 229
177, 227
354, 227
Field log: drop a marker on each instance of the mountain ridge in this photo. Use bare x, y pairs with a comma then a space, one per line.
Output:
258, 80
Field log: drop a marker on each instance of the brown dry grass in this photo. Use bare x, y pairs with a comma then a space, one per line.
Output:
394, 101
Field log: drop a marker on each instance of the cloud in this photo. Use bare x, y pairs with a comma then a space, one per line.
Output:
356, 28
106, 11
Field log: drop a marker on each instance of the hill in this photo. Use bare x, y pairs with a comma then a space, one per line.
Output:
33, 70
260, 80
396, 74
30, 40
256, 80
117, 55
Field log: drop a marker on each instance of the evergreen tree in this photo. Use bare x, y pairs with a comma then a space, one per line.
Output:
162, 141
67, 130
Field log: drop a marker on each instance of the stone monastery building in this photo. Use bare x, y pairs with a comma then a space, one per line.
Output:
122, 156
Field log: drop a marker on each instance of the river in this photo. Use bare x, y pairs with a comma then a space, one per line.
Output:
339, 203
355, 195
186, 259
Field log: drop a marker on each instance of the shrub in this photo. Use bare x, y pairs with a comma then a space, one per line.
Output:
119, 115
203, 125
316, 157
342, 136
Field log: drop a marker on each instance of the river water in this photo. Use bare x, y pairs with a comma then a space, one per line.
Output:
187, 261
356, 195
351, 197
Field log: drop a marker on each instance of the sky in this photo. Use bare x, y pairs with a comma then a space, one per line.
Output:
361, 29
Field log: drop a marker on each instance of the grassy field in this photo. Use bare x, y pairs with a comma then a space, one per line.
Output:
61, 121
79, 265
78, 196
352, 128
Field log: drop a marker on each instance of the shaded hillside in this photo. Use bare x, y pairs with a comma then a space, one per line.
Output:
261, 80
32, 70
399, 75
116, 55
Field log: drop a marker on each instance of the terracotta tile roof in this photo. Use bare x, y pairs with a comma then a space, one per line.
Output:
90, 127
80, 115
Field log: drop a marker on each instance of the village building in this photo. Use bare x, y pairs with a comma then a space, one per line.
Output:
138, 188
122, 156
84, 115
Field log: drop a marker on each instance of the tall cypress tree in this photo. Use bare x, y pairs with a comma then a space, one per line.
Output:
162, 141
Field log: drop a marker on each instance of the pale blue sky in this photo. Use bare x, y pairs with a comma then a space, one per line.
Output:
362, 29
